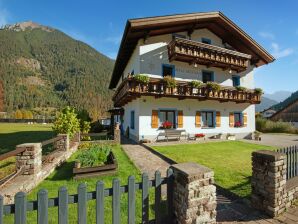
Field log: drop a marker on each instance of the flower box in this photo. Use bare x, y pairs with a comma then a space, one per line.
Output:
85, 172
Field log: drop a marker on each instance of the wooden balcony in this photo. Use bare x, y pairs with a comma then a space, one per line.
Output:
130, 89
189, 51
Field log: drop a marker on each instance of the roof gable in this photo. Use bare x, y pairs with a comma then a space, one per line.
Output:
216, 22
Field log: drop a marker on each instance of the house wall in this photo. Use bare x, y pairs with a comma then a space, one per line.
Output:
144, 106
134, 105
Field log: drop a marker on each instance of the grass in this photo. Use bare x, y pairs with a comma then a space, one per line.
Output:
12, 134
63, 177
230, 161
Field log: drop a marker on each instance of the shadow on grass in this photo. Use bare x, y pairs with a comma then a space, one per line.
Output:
9, 141
64, 172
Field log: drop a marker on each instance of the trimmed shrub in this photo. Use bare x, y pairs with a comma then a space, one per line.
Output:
264, 125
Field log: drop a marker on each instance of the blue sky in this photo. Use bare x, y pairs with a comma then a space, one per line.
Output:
100, 24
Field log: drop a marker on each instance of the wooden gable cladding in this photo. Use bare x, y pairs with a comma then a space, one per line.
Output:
180, 119
154, 119
287, 114
198, 119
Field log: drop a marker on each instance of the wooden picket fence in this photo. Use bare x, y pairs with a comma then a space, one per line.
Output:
292, 160
43, 203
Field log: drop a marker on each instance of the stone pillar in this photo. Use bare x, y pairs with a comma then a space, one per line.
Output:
63, 143
117, 134
194, 194
268, 181
30, 158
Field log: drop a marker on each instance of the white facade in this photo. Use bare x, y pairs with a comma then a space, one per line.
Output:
148, 58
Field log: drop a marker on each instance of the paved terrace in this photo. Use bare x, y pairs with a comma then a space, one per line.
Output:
229, 209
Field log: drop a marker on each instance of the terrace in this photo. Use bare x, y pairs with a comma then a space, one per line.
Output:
131, 89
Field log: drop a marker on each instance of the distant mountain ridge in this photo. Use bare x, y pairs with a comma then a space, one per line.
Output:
42, 67
278, 96
286, 102
265, 104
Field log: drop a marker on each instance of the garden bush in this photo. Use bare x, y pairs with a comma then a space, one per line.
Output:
144, 79
170, 81
93, 155
264, 125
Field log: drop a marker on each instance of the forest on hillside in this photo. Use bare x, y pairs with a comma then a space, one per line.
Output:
45, 70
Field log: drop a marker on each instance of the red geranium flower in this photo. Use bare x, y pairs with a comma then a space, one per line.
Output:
201, 135
238, 124
167, 125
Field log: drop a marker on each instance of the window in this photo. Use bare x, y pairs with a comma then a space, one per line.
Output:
238, 119
168, 70
167, 115
206, 40
208, 76
132, 72
236, 80
132, 119
208, 119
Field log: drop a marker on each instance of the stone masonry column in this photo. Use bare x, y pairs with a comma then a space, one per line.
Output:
194, 194
30, 158
63, 143
268, 181
117, 134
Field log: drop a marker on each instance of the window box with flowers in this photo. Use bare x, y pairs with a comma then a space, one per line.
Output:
167, 125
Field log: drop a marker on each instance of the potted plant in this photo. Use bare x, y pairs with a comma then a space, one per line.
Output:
257, 136
212, 88
195, 84
238, 124
171, 84
259, 92
231, 137
167, 125
142, 81
200, 135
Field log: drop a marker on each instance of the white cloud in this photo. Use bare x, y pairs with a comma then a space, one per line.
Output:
267, 35
278, 52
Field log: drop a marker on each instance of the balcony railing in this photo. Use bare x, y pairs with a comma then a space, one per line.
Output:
180, 49
131, 89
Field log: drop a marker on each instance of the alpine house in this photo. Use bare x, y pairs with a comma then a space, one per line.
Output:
190, 72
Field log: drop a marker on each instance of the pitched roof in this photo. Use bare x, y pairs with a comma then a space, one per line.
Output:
216, 22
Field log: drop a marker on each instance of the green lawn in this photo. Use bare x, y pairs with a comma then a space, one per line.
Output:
230, 160
12, 134
63, 177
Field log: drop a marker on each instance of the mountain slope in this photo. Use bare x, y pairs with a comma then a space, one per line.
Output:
265, 104
43, 67
286, 102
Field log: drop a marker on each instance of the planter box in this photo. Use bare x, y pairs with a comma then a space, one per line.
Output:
231, 137
96, 171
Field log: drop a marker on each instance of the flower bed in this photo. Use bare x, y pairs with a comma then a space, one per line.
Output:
94, 160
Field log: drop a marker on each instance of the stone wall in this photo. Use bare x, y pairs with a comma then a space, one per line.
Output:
271, 192
30, 159
194, 194
63, 143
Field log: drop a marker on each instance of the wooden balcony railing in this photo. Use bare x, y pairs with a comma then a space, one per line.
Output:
130, 89
184, 50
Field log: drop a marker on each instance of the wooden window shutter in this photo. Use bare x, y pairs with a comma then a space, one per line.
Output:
198, 119
244, 119
232, 120
218, 119
154, 119
180, 119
